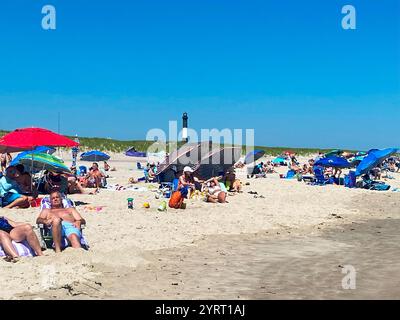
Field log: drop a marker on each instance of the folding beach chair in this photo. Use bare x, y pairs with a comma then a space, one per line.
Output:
82, 171
45, 233
320, 178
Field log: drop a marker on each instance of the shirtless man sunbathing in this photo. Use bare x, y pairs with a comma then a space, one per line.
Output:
64, 222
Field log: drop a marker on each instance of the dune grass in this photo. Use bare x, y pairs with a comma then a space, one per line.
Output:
112, 145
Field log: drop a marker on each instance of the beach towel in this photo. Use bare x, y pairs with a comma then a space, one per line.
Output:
23, 249
223, 187
46, 204
380, 187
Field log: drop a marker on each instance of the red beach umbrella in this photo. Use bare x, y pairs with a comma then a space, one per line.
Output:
30, 138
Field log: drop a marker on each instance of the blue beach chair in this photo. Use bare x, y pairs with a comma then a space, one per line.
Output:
320, 178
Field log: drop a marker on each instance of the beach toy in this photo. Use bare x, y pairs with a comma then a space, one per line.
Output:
163, 206
130, 203
146, 205
93, 208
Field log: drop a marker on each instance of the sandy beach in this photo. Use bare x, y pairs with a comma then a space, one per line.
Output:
291, 244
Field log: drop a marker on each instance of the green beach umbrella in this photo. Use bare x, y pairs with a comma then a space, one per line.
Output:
44, 161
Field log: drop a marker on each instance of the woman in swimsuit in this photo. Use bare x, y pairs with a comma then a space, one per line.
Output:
18, 232
215, 194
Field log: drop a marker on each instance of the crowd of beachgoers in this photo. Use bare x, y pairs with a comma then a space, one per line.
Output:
50, 190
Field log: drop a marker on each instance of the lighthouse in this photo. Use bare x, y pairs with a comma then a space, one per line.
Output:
184, 127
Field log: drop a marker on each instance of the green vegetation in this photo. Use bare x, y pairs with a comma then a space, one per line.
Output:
112, 145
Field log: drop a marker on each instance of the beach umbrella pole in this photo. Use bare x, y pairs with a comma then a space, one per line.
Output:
32, 173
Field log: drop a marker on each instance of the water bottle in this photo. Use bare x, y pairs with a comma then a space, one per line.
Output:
163, 206
130, 203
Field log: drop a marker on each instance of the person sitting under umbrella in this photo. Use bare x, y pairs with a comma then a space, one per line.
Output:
56, 181
10, 192
24, 180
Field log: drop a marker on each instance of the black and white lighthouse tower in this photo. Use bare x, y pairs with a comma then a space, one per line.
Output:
184, 127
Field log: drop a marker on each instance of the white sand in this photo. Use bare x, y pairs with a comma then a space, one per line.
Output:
119, 236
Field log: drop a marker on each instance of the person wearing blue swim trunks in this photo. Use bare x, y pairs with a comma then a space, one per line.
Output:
64, 222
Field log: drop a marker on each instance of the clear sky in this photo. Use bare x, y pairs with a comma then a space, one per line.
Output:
285, 68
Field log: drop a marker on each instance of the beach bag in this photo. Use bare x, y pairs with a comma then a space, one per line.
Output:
176, 200
290, 174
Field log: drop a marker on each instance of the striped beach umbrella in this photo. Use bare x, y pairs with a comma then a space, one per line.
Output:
44, 161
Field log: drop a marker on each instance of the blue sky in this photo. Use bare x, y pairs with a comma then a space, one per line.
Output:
284, 68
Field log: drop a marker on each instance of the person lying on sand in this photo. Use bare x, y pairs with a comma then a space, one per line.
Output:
18, 232
214, 192
64, 222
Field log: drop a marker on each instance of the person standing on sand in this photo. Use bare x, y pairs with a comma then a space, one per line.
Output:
64, 222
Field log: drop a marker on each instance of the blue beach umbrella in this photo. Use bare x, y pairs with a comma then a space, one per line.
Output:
334, 162
94, 155
253, 156
373, 159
